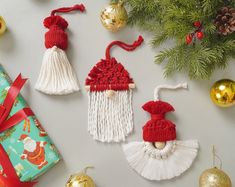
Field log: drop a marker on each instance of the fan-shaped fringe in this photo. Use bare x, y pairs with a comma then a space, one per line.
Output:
110, 119
152, 167
56, 76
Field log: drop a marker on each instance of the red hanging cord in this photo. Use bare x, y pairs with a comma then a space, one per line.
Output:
80, 7
127, 47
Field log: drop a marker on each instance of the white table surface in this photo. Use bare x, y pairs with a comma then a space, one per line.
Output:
65, 117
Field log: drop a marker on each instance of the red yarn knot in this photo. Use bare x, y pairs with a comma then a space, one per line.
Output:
127, 47
56, 35
157, 116
55, 20
158, 107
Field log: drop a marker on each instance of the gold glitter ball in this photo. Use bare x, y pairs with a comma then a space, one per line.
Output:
80, 180
3, 26
214, 177
223, 93
114, 16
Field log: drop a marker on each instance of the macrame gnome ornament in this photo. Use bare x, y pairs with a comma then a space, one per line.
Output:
109, 85
160, 156
57, 76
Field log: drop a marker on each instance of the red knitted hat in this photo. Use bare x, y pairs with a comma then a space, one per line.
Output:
56, 36
108, 74
158, 129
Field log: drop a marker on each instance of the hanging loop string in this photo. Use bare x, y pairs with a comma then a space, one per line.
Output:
80, 7
216, 156
158, 88
86, 168
127, 47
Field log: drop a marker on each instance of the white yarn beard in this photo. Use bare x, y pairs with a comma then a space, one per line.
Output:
153, 168
110, 119
56, 76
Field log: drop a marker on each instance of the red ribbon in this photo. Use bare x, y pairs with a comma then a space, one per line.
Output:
10, 178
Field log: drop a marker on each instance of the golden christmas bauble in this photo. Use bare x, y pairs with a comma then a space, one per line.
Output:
114, 16
3, 26
214, 177
80, 180
223, 93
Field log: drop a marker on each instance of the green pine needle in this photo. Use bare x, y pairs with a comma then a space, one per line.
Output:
173, 19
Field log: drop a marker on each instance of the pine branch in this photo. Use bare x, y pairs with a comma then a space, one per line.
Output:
173, 19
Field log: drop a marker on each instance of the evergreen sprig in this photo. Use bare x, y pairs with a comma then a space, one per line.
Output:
173, 19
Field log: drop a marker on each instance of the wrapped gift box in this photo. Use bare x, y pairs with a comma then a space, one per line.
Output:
28, 146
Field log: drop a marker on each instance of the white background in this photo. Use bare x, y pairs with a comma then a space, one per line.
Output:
65, 117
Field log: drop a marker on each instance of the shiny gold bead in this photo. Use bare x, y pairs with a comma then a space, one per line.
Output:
223, 93
80, 180
114, 16
214, 177
3, 26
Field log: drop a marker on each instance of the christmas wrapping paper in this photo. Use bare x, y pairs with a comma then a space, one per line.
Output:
27, 144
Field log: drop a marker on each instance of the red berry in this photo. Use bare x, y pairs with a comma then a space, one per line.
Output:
189, 39
200, 35
197, 24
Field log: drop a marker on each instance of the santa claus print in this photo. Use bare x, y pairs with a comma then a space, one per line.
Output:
34, 151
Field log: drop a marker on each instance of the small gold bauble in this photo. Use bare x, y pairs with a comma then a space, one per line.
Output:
3, 26
223, 93
114, 16
80, 180
214, 177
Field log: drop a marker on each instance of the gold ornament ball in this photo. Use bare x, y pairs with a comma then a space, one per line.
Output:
223, 93
3, 26
114, 16
214, 177
80, 180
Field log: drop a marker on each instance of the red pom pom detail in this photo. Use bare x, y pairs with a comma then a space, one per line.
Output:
158, 107
55, 20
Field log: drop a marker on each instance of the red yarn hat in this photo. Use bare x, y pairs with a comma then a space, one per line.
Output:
56, 36
108, 74
158, 129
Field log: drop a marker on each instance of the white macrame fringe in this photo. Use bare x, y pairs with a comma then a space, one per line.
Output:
154, 164
110, 119
56, 76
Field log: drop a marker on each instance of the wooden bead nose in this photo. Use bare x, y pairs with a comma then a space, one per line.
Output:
110, 93
159, 145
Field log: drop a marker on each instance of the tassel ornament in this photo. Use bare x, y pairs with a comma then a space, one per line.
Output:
57, 77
